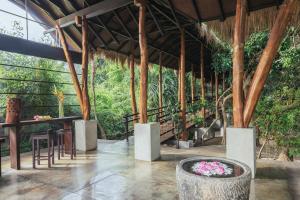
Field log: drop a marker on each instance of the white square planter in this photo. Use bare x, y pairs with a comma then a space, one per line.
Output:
147, 141
241, 146
86, 135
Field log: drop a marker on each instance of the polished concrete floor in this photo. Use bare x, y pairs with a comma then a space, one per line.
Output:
112, 173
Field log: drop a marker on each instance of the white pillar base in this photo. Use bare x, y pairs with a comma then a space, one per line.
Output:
241, 146
147, 141
86, 135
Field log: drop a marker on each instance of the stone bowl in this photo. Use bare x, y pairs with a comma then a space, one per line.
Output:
231, 187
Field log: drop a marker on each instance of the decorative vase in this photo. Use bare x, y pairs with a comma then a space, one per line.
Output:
61, 112
13, 110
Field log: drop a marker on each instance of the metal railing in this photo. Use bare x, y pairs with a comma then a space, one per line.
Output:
161, 115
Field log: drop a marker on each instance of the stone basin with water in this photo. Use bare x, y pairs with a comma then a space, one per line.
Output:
213, 178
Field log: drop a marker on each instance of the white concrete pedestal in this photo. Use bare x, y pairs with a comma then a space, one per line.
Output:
241, 146
147, 141
86, 135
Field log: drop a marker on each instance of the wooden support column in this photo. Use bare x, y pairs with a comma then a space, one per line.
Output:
211, 85
85, 55
202, 79
71, 66
160, 86
266, 60
223, 82
144, 60
238, 63
193, 84
182, 88
217, 93
132, 90
179, 82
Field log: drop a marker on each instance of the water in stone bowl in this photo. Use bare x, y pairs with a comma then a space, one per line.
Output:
213, 168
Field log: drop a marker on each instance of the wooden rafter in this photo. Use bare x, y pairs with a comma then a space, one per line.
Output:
99, 19
195, 4
92, 11
220, 3
158, 25
122, 24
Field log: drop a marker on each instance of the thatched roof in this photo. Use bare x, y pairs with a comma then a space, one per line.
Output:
114, 33
259, 20
218, 15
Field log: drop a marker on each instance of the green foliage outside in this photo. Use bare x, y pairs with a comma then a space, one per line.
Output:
278, 111
277, 114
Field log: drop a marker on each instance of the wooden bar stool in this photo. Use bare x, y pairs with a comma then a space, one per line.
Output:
61, 143
2, 140
36, 139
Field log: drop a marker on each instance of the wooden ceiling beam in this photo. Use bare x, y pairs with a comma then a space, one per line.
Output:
154, 5
92, 11
47, 9
98, 36
132, 15
65, 12
122, 24
221, 7
195, 4
158, 25
171, 6
98, 18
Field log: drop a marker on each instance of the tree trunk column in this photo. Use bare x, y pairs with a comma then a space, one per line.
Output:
211, 85
179, 82
85, 94
266, 60
132, 90
217, 93
182, 88
160, 88
238, 63
202, 79
144, 60
193, 84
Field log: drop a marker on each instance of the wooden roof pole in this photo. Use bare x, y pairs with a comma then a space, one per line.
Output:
193, 84
71, 66
238, 64
85, 55
202, 79
182, 85
217, 93
160, 86
179, 82
144, 60
223, 82
266, 60
211, 85
132, 80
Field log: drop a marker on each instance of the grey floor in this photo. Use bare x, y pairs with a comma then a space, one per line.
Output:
112, 173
